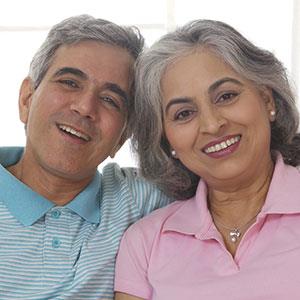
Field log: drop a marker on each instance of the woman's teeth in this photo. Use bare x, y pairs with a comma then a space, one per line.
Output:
222, 145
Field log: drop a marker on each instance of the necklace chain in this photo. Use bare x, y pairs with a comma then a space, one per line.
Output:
235, 232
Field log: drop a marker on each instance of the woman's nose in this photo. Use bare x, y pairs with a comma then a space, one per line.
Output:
211, 120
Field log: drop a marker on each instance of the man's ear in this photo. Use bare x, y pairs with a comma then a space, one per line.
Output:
122, 140
25, 99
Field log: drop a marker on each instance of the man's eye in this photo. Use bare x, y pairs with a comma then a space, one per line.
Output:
111, 101
226, 97
68, 82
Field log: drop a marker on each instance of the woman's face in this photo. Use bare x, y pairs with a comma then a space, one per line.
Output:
217, 121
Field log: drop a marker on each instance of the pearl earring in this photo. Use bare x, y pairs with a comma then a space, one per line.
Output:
173, 153
272, 113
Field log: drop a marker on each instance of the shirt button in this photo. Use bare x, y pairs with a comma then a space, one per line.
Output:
55, 214
56, 243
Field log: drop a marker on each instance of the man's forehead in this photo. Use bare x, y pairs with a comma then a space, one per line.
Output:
82, 48
94, 57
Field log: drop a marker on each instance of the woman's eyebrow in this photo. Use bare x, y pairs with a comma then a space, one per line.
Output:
180, 100
221, 81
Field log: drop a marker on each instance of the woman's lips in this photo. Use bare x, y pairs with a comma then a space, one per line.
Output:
223, 147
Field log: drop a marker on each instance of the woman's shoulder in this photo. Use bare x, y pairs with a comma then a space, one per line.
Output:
152, 224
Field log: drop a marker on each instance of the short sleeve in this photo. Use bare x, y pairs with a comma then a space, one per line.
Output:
132, 265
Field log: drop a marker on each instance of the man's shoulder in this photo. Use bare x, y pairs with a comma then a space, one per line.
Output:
114, 170
113, 173
128, 183
10, 155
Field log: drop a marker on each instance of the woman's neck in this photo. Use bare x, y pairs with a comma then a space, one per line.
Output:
234, 204
238, 208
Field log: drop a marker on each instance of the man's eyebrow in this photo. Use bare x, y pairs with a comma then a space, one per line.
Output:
174, 101
69, 70
115, 88
221, 81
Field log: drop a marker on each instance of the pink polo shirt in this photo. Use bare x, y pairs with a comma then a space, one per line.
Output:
176, 253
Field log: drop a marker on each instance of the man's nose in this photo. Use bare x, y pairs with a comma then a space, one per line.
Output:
84, 104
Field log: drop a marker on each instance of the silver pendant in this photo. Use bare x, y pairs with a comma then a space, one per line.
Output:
234, 235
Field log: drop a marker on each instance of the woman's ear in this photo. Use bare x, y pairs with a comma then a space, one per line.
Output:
267, 96
25, 99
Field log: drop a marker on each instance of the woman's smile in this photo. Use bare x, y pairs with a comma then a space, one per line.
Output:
222, 147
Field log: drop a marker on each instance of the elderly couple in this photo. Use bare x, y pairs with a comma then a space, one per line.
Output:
214, 122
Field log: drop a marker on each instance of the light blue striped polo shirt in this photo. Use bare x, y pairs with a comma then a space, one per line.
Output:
67, 252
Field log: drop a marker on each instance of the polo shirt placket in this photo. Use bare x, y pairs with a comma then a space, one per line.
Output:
57, 243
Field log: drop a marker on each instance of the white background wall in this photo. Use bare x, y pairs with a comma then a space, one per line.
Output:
271, 24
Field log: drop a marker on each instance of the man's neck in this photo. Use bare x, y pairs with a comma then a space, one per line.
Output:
53, 187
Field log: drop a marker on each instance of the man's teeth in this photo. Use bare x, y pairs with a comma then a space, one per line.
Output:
74, 132
222, 145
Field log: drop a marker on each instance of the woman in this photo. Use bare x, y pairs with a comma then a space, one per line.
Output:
217, 123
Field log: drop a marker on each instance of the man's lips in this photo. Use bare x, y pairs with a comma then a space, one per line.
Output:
75, 132
221, 144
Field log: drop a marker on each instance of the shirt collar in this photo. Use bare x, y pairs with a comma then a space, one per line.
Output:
87, 204
22, 202
193, 217
27, 206
284, 190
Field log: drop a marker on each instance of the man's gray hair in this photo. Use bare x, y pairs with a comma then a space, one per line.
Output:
81, 28
257, 65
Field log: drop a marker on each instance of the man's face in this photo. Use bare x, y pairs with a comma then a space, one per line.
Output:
76, 116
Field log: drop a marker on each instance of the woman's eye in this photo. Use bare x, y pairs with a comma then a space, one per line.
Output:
183, 115
226, 97
68, 82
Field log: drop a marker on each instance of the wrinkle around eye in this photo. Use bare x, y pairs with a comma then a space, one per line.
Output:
69, 83
111, 101
228, 97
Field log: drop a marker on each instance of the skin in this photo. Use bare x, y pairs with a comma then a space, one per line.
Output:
85, 88
204, 103
122, 296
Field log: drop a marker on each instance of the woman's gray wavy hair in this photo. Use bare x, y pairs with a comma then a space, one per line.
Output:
83, 28
255, 64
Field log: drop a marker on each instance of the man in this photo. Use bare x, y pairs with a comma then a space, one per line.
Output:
60, 220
